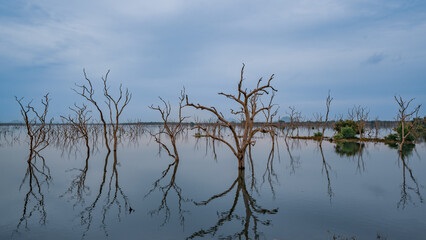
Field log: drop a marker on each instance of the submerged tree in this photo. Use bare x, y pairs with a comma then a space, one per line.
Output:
38, 127
249, 106
115, 106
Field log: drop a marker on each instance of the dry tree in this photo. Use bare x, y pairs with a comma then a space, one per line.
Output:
327, 104
115, 106
361, 115
79, 122
170, 129
249, 107
405, 116
88, 93
38, 127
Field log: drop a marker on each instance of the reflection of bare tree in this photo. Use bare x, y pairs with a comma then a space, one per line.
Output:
294, 162
405, 188
114, 196
37, 174
325, 168
253, 212
165, 189
78, 185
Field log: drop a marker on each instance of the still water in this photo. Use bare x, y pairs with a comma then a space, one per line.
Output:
299, 191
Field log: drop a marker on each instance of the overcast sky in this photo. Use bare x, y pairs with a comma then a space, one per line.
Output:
364, 52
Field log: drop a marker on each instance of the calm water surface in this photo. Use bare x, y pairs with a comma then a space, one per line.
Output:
301, 191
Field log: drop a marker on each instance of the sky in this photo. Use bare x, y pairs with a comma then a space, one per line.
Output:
364, 52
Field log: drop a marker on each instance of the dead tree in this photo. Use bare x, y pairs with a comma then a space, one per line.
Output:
361, 115
38, 127
404, 116
115, 106
295, 118
88, 93
79, 122
249, 108
171, 130
327, 104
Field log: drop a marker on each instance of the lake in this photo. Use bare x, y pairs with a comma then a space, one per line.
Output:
300, 190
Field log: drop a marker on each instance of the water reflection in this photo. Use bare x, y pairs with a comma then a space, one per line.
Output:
349, 149
250, 221
352, 149
36, 177
406, 187
78, 189
113, 198
326, 168
164, 189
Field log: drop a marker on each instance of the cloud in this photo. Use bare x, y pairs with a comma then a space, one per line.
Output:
375, 58
156, 47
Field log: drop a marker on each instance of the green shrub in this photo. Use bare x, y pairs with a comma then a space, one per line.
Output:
347, 132
317, 134
339, 125
398, 135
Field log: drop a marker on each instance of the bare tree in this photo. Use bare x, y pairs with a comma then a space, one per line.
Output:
38, 127
171, 130
361, 115
295, 118
115, 106
79, 122
327, 104
88, 93
404, 116
249, 108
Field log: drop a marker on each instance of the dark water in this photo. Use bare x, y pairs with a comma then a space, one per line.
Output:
301, 192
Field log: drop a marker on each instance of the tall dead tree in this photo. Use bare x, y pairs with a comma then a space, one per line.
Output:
115, 106
249, 107
404, 116
327, 104
88, 93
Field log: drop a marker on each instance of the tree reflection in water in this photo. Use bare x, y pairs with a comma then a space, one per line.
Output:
352, 149
37, 174
326, 167
252, 212
114, 196
165, 189
405, 187
78, 189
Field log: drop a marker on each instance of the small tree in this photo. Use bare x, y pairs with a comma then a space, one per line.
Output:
38, 127
249, 107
